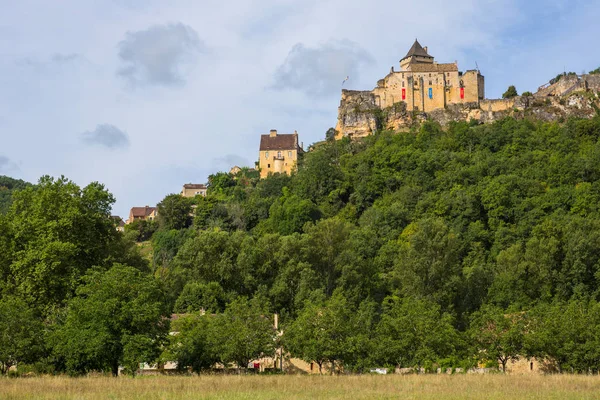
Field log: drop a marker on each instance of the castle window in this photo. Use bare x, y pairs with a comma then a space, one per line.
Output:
402, 83
267, 154
289, 154
268, 165
430, 83
278, 154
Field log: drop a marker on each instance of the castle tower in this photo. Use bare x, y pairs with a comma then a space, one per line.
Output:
416, 55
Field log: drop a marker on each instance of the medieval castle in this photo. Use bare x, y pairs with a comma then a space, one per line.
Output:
424, 89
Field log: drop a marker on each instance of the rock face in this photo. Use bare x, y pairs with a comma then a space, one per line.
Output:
579, 96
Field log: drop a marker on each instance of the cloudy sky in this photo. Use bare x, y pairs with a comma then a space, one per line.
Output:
145, 95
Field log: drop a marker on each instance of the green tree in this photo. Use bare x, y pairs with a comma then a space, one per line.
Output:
59, 231
189, 346
289, 213
321, 332
174, 212
21, 333
498, 334
117, 318
244, 332
510, 92
414, 333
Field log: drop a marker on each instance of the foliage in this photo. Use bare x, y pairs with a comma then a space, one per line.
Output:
189, 346
20, 333
141, 230
414, 333
242, 333
7, 187
174, 212
117, 318
58, 231
498, 334
510, 92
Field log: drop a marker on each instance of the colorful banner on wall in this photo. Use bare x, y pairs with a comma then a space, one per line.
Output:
403, 94
462, 92
431, 93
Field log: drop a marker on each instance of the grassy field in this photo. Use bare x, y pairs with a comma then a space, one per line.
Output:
436, 387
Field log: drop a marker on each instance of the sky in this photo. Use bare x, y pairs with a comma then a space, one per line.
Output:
146, 95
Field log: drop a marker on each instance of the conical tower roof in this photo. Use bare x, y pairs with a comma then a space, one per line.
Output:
416, 50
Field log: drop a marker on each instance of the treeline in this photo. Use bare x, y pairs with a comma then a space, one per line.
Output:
430, 248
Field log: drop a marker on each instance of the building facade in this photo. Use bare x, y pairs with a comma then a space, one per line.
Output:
193, 190
146, 213
278, 153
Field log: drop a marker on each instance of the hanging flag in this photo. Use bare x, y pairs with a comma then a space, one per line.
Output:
462, 92
431, 93
403, 94
344, 81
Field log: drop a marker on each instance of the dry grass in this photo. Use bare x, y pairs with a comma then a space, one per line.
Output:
305, 387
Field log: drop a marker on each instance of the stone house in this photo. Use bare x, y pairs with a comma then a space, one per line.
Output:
145, 213
278, 153
193, 190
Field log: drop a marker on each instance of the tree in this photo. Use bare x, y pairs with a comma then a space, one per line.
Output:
59, 231
413, 333
21, 338
289, 213
141, 230
219, 182
244, 332
174, 212
321, 332
7, 187
498, 334
117, 318
510, 92
189, 346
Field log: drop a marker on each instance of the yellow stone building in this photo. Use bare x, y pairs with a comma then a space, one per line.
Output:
193, 190
278, 153
425, 85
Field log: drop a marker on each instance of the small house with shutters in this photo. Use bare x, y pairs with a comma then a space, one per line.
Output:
278, 153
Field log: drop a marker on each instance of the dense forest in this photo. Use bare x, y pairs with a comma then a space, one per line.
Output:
475, 244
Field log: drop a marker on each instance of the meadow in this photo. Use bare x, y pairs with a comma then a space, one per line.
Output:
438, 387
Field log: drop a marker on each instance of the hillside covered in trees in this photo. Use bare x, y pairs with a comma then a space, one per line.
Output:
473, 244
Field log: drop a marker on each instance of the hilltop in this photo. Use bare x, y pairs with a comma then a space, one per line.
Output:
426, 90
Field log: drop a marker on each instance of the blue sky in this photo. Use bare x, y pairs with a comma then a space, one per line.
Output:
144, 96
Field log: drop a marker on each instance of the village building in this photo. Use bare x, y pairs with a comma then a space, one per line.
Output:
278, 153
145, 213
193, 190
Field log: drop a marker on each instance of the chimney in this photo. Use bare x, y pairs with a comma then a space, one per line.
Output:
273, 133
425, 48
